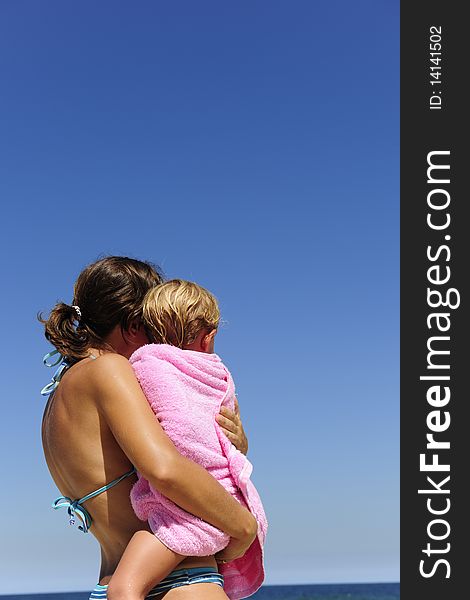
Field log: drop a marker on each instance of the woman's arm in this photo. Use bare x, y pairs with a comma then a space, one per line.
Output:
122, 403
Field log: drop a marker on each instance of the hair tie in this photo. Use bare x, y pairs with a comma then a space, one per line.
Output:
78, 311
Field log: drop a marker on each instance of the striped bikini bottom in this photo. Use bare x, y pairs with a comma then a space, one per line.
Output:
175, 579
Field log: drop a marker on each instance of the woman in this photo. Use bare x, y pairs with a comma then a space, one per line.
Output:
98, 426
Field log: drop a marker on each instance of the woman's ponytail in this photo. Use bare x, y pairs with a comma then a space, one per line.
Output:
107, 293
64, 332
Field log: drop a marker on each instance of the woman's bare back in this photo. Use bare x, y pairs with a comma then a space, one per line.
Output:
82, 455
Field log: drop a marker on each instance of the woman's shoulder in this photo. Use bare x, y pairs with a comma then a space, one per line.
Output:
107, 369
113, 383
110, 360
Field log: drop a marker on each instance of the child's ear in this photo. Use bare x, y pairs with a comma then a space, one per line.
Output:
207, 342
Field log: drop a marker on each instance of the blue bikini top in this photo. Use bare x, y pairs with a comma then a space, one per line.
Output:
63, 366
74, 507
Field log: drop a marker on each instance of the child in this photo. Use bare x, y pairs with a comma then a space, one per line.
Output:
186, 384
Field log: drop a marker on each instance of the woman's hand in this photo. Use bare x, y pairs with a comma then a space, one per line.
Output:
231, 425
237, 547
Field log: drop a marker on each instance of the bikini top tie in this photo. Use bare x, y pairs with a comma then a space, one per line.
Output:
63, 366
74, 507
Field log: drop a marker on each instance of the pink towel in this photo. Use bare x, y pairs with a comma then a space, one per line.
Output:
186, 390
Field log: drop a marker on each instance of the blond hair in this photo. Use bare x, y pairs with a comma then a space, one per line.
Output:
176, 311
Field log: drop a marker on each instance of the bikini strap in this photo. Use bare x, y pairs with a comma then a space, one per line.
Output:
63, 366
74, 507
106, 487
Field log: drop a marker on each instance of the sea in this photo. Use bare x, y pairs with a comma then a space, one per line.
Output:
340, 591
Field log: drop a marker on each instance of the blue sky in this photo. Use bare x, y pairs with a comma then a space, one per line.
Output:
252, 147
